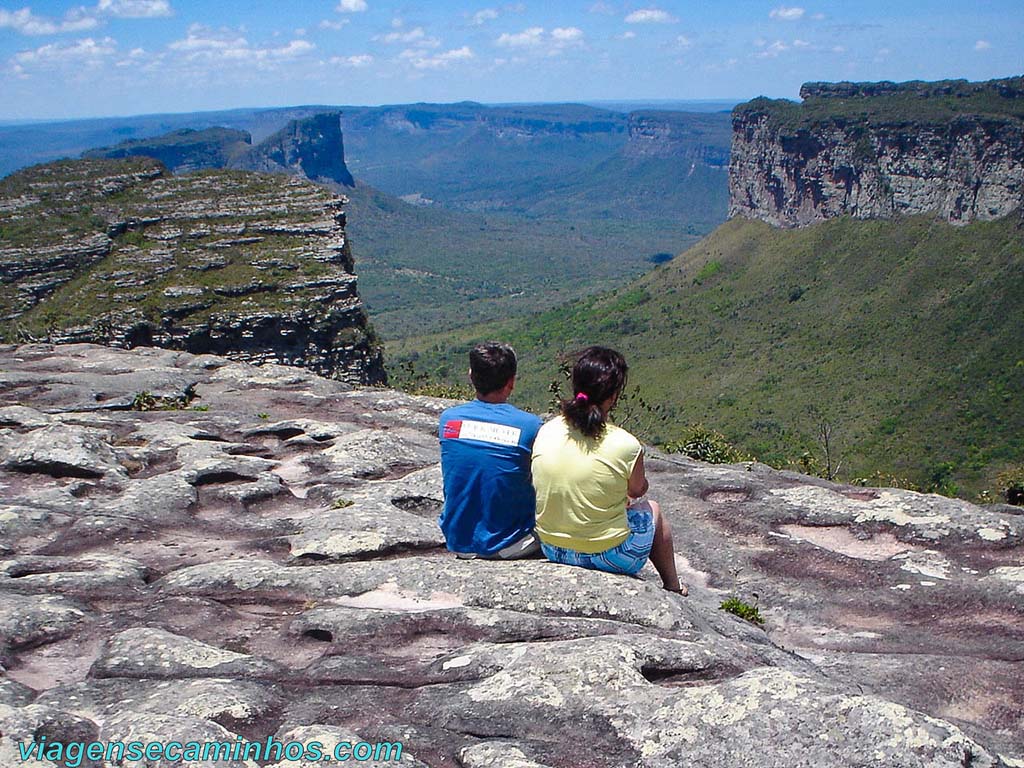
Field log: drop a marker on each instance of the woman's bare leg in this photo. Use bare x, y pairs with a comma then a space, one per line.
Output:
663, 554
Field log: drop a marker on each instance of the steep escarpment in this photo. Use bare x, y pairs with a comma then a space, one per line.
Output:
878, 150
682, 136
251, 266
311, 148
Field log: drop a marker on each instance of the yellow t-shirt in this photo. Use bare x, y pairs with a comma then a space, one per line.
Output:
581, 486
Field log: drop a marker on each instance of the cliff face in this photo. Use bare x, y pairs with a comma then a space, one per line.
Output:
311, 147
257, 268
955, 150
698, 138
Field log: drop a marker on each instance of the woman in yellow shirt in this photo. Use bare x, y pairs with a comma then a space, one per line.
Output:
590, 480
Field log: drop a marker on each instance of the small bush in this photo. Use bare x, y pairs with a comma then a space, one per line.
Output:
147, 401
709, 270
879, 479
1011, 485
342, 503
705, 444
407, 379
744, 610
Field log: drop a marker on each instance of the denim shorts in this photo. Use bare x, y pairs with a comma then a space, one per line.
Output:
628, 557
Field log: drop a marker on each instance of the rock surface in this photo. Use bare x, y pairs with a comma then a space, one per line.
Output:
684, 138
271, 566
880, 150
250, 266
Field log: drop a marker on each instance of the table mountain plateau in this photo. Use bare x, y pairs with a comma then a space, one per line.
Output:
879, 150
253, 266
311, 148
253, 551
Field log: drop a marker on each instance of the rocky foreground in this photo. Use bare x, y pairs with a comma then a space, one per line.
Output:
263, 559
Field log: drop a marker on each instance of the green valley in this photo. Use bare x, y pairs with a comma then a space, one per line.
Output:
903, 336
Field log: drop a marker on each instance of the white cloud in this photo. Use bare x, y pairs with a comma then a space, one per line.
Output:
839, 49
602, 7
528, 38
27, 23
801, 44
202, 39
86, 50
773, 50
627, 35
567, 35
482, 17
135, 9
362, 60
205, 44
335, 25
982, 45
683, 41
818, 16
650, 16
351, 6
290, 51
416, 36
438, 61
787, 13
551, 44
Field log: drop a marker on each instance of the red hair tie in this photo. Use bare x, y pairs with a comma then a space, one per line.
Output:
582, 396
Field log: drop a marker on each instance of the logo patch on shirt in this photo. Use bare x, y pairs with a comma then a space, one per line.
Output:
500, 434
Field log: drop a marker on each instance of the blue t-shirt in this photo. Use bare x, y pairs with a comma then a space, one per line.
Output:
489, 500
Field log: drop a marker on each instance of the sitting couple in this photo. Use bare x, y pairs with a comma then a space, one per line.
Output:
584, 505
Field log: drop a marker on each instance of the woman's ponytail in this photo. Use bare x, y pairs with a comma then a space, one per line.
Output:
599, 374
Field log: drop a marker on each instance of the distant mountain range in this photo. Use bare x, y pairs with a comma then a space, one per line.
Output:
504, 210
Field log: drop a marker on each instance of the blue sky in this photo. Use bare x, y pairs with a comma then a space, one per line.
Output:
121, 57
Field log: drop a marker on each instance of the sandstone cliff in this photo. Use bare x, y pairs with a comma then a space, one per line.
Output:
251, 266
879, 150
684, 137
271, 565
311, 148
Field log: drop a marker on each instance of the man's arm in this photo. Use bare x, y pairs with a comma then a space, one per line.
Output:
637, 485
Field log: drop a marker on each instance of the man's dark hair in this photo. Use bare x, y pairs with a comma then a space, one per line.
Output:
491, 365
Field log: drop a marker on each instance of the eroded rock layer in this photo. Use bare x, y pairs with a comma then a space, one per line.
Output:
878, 150
251, 266
265, 561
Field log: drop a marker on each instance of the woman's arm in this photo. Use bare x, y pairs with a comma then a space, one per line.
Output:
637, 484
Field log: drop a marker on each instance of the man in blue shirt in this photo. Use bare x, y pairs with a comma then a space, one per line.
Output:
489, 501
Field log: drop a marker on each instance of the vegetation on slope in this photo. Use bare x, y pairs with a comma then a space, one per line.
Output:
901, 103
903, 337
425, 270
191, 245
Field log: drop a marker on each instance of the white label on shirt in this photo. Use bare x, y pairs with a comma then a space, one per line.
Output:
489, 433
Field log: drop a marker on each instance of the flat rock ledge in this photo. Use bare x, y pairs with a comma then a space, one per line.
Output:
266, 562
